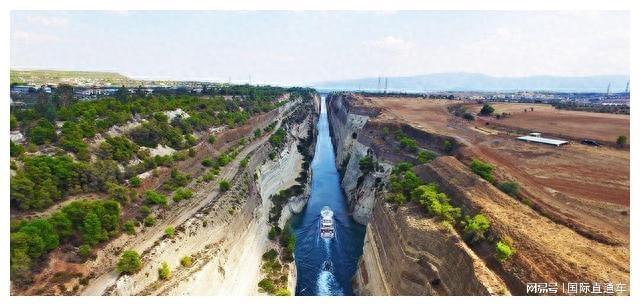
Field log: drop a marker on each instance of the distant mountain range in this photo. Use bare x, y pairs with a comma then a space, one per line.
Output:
480, 82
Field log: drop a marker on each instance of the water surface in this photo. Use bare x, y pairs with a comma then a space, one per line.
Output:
312, 251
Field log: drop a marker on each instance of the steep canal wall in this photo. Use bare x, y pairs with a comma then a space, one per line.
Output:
405, 251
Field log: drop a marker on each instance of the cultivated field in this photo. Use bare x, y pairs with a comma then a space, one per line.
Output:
585, 188
572, 124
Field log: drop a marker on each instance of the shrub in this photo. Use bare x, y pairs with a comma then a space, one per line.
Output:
186, 261
135, 181
182, 194
207, 162
150, 220
486, 110
367, 164
145, 210
267, 285
503, 251
224, 185
84, 251
468, 116
244, 162
436, 203
476, 227
130, 227
425, 157
164, 272
277, 138
224, 159
621, 141
170, 231
270, 255
274, 232
483, 170
211, 139
397, 198
510, 188
154, 198
409, 143
447, 146
283, 292
129, 262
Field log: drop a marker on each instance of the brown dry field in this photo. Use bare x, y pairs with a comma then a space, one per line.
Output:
585, 188
572, 124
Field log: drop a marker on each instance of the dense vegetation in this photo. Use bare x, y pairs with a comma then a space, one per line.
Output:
59, 121
61, 156
80, 223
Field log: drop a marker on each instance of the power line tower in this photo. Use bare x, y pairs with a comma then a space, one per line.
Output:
626, 90
386, 83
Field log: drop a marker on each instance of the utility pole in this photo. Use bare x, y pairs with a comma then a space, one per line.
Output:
609, 89
626, 90
386, 83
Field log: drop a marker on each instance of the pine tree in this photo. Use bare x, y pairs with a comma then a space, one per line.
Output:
92, 229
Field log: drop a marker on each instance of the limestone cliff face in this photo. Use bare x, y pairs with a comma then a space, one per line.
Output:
345, 127
405, 251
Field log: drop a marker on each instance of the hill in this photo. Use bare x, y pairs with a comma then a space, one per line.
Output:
482, 82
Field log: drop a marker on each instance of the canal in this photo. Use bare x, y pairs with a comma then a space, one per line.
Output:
325, 267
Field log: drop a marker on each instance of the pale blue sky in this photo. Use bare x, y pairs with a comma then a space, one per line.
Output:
303, 47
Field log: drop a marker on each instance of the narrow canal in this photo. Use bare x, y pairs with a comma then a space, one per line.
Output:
326, 266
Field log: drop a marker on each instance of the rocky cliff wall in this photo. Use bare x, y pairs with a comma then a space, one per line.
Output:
405, 251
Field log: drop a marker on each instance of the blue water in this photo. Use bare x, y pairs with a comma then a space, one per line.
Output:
312, 251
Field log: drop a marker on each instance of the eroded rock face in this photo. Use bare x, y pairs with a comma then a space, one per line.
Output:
405, 251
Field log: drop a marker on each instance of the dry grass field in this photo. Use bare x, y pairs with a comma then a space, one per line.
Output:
572, 124
582, 187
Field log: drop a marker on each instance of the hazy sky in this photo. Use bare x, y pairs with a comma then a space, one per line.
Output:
303, 47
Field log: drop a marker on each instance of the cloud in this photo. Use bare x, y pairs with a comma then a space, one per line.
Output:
48, 21
27, 37
392, 43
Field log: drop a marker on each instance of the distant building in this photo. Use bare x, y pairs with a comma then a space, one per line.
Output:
537, 137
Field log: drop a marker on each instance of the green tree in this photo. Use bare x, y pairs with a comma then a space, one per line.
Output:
486, 110
43, 132
61, 224
15, 150
20, 266
44, 229
92, 231
129, 262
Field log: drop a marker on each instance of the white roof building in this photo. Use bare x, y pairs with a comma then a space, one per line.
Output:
537, 137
